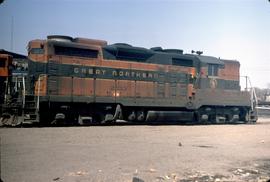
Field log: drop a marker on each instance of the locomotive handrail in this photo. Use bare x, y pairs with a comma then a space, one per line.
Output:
38, 93
253, 97
251, 90
6, 91
23, 94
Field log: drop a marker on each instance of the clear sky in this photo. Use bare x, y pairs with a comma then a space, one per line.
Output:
229, 29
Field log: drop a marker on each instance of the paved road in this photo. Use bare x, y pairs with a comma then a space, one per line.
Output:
134, 153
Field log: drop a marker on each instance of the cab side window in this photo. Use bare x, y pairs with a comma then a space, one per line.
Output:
212, 70
2, 62
37, 51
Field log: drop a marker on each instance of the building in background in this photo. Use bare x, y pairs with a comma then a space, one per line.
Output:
20, 63
13, 66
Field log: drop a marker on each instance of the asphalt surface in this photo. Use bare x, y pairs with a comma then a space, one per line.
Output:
137, 153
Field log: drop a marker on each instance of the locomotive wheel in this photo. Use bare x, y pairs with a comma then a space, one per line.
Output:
131, 116
229, 117
59, 120
140, 116
200, 118
197, 117
247, 117
99, 118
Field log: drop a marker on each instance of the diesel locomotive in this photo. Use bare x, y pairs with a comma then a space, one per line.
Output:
87, 81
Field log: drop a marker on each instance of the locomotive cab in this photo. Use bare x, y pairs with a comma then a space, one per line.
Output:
219, 99
209, 72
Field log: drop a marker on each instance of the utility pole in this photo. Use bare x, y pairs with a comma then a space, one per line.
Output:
246, 83
12, 32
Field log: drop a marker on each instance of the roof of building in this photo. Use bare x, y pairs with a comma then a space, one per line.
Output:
13, 54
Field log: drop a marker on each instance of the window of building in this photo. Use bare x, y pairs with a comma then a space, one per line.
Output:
212, 70
77, 52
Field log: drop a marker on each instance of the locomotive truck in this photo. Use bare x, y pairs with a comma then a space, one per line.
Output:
87, 81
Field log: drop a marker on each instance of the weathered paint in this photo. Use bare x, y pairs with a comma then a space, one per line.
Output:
133, 83
6, 62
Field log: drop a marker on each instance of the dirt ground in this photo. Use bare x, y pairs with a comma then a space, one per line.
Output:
137, 153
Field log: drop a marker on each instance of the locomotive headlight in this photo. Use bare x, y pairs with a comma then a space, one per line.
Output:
116, 94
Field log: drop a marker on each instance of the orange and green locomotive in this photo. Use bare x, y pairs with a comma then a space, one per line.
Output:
86, 81
5, 75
